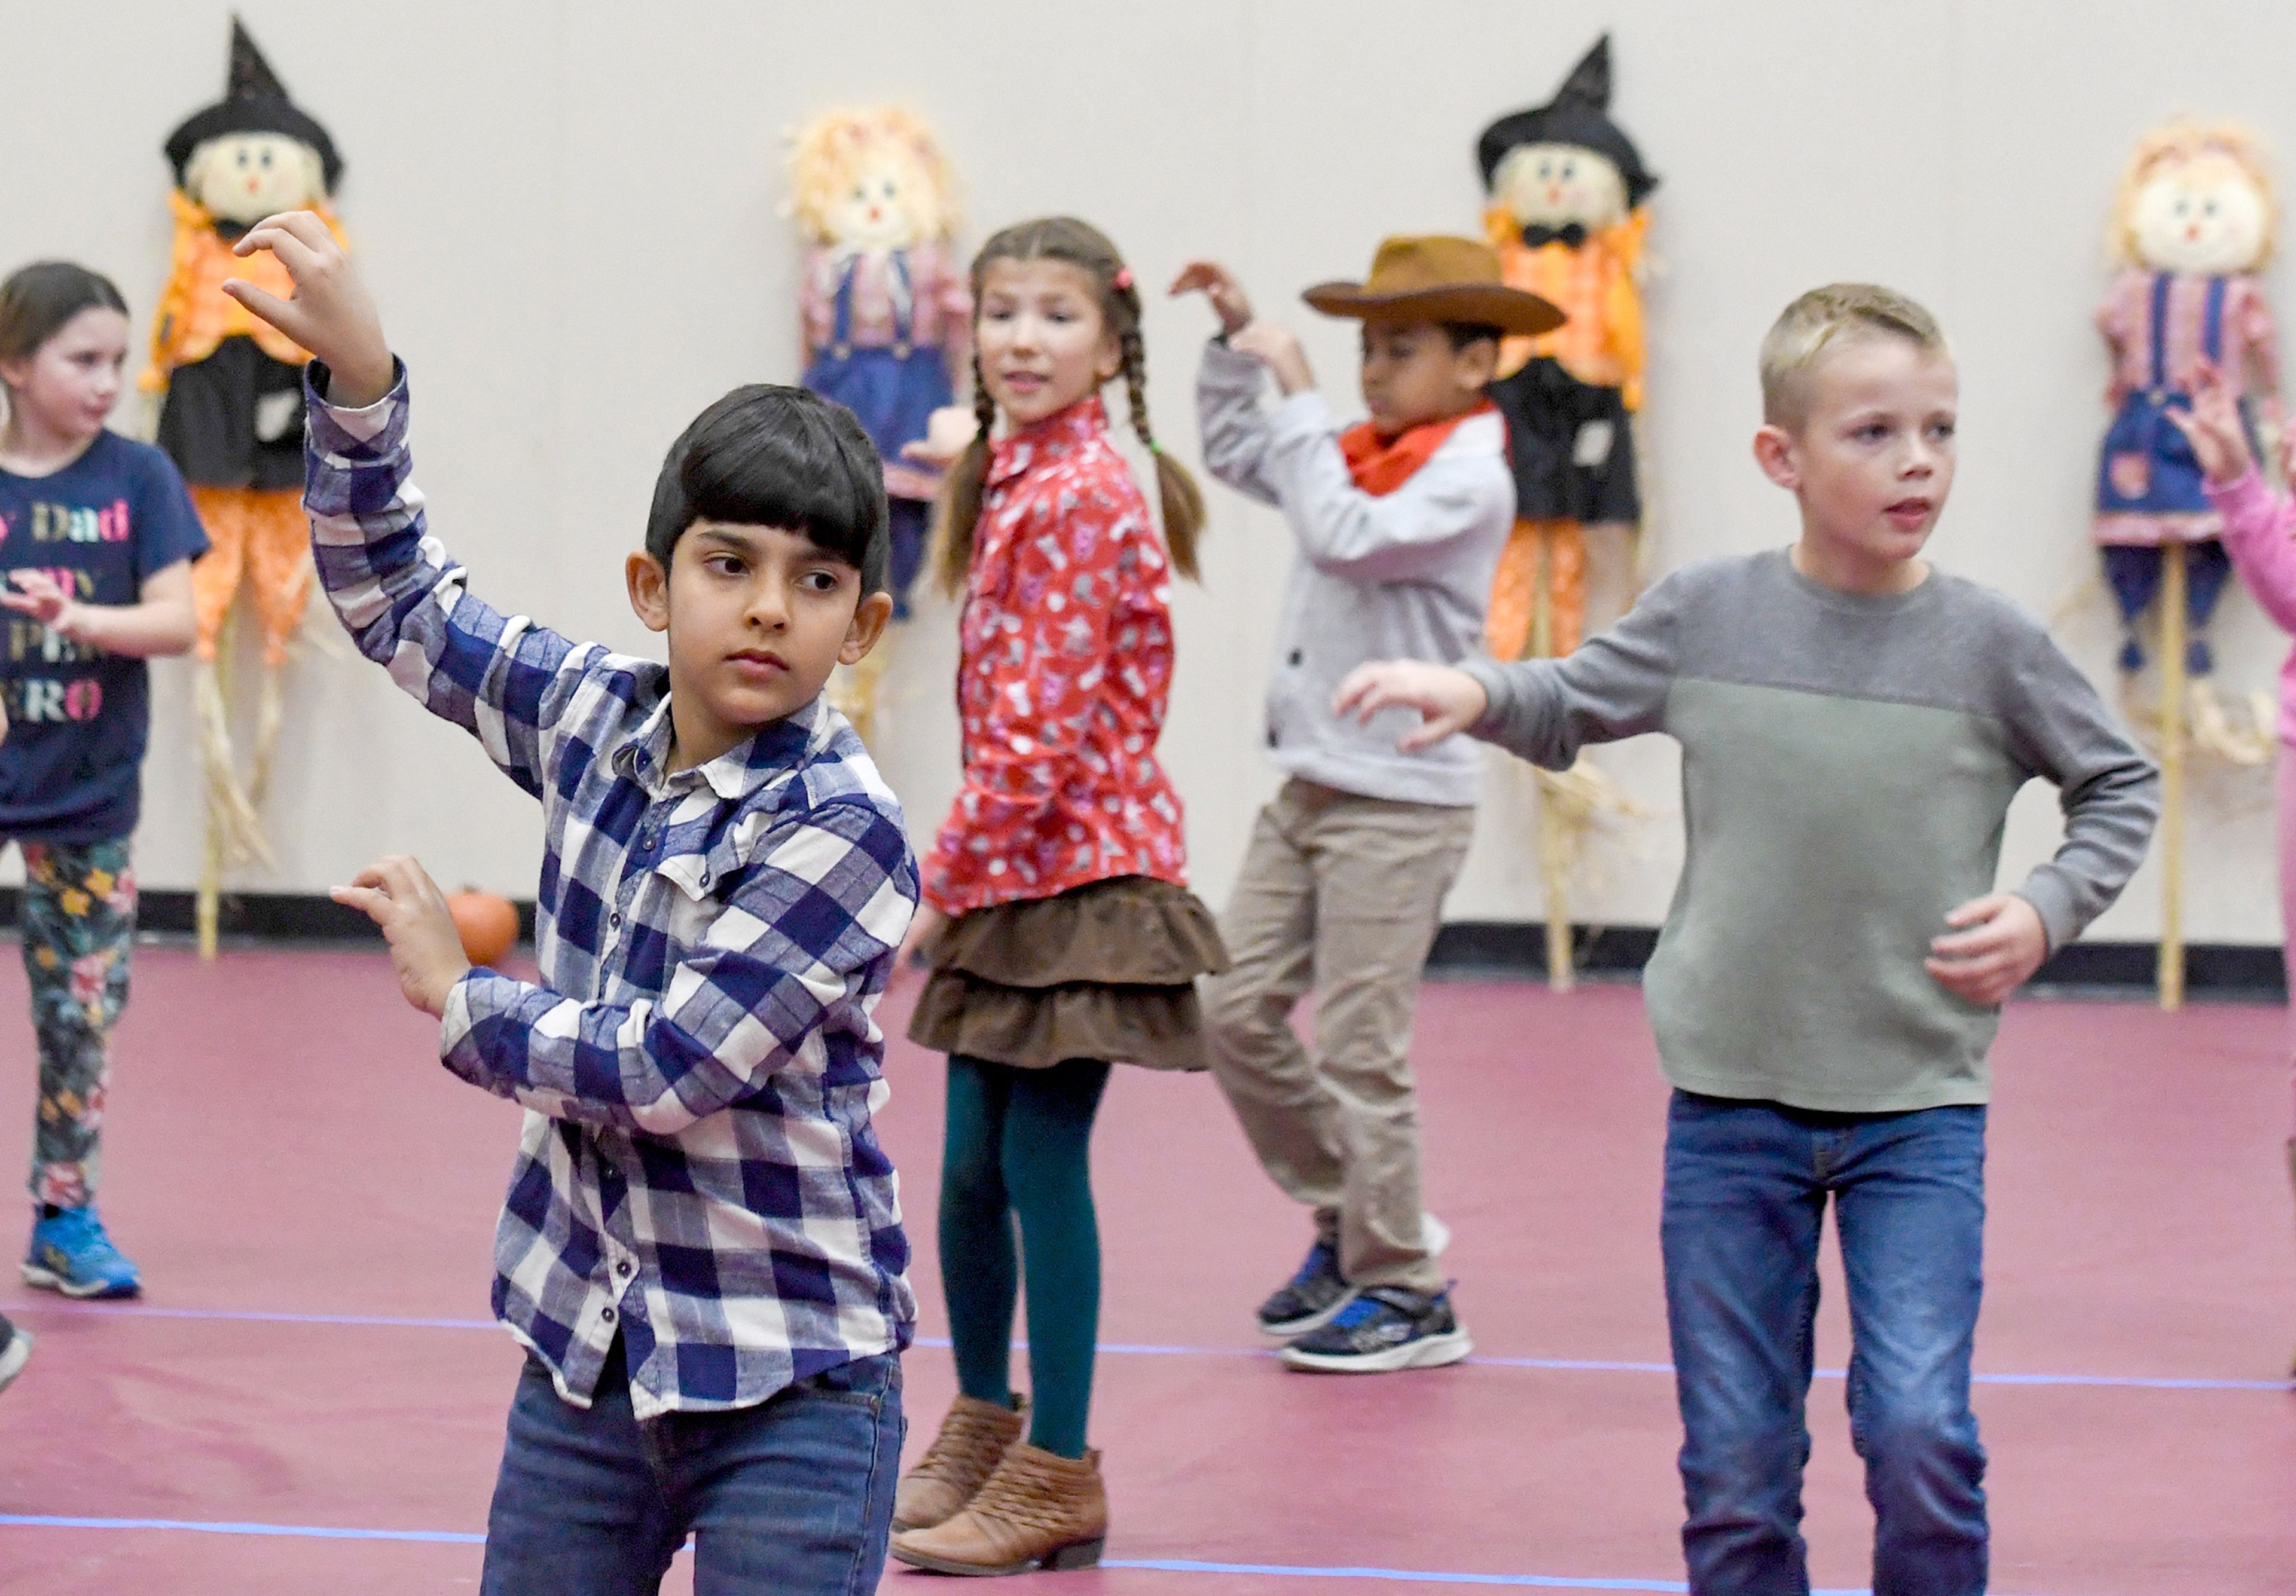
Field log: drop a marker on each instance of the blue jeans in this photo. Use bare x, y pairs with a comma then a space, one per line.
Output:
1746, 1186
792, 1496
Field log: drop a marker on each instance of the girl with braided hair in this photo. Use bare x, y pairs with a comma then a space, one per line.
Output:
1061, 935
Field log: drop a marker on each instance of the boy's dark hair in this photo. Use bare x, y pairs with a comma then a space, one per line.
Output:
1462, 335
767, 455
36, 300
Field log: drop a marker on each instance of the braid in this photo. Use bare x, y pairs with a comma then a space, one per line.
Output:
1177, 497
960, 493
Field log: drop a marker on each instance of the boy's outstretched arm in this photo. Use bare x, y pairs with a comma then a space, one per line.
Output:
501, 677
812, 924
1542, 710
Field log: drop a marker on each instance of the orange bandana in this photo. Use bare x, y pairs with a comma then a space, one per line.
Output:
1380, 465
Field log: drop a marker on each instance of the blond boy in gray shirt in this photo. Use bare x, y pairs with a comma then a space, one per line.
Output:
1853, 726
1398, 524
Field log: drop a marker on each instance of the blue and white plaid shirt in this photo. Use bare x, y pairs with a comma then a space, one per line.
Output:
698, 1169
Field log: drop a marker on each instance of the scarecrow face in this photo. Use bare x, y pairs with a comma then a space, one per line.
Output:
2204, 215
880, 204
1554, 184
246, 176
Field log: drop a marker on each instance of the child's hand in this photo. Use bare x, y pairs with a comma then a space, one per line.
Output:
1279, 351
331, 314
1449, 700
1998, 943
38, 596
926, 923
426, 950
1217, 283
948, 433
2214, 428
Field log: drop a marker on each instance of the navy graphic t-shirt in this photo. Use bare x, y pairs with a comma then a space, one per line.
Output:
78, 719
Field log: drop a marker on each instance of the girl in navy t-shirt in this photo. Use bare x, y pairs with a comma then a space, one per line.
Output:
97, 537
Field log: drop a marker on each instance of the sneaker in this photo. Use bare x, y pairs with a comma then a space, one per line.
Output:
71, 1254
15, 1351
1314, 1297
1383, 1329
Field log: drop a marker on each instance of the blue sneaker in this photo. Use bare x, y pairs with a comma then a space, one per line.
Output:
1308, 1303
71, 1254
1384, 1328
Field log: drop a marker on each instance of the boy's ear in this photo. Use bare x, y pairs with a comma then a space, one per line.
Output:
1777, 452
1479, 363
649, 590
869, 618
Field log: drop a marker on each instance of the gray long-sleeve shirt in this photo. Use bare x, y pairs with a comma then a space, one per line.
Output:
1399, 576
1847, 764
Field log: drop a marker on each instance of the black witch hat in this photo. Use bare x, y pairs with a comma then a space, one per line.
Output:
1579, 114
254, 101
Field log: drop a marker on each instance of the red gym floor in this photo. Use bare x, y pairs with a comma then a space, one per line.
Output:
308, 1399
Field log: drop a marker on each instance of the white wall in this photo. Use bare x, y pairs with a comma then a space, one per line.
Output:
569, 213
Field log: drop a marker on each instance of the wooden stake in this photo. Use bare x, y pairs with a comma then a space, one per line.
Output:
207, 901
1555, 849
2172, 777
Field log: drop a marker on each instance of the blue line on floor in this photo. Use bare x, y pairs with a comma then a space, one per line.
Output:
308, 1531
1426, 1576
1536, 1582
2139, 1382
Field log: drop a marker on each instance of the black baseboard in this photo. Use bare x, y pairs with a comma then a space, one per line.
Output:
2221, 971
251, 917
1463, 949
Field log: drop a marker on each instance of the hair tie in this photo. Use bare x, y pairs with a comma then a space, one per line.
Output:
1123, 278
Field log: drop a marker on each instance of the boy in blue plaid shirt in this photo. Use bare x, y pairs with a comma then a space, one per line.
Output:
702, 1248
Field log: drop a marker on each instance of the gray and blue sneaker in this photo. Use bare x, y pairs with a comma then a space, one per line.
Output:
1309, 1301
71, 1254
15, 1351
1381, 1329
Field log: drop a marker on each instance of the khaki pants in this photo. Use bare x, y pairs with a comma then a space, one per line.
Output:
1341, 893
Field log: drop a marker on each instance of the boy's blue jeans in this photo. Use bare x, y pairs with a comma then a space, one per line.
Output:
1746, 1187
794, 1495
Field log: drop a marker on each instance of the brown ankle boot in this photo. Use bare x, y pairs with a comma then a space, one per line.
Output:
973, 1439
1039, 1511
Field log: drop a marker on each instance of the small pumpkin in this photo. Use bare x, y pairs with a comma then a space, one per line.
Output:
486, 922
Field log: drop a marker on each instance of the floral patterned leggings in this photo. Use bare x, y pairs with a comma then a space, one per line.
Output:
79, 920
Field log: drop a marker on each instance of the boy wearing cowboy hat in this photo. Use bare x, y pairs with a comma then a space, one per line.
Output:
1399, 522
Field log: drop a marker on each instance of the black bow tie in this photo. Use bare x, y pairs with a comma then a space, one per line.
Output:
1573, 233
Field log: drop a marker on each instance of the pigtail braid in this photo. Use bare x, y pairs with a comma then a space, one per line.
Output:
960, 496
1178, 498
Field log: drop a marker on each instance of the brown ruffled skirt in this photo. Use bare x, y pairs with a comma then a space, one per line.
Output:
1105, 971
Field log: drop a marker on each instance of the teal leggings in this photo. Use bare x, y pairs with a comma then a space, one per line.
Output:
1020, 1144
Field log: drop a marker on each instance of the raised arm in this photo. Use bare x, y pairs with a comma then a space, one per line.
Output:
501, 677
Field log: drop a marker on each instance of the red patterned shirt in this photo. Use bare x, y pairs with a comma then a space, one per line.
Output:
1065, 668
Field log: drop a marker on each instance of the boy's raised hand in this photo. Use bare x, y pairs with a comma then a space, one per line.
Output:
2218, 441
1447, 701
426, 950
331, 313
1996, 943
1217, 284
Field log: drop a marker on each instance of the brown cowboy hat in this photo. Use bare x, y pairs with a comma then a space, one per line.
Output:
1437, 279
